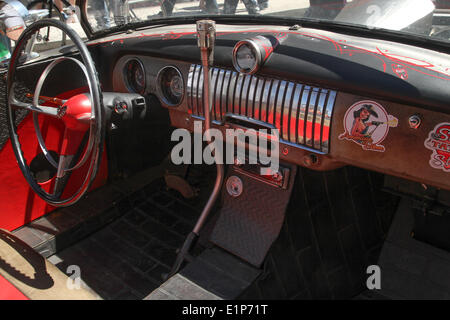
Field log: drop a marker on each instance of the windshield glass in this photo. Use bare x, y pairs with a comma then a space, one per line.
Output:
430, 18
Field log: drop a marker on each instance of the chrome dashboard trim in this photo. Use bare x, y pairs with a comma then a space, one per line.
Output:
302, 113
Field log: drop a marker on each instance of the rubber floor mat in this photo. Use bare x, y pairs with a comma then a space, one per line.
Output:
127, 258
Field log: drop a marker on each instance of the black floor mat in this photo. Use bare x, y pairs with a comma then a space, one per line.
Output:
335, 225
127, 258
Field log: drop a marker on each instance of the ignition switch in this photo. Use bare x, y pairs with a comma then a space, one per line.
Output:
120, 107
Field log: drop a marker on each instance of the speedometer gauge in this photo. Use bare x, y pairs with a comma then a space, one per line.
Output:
135, 76
170, 86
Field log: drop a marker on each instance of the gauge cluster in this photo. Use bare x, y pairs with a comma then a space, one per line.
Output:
167, 79
147, 75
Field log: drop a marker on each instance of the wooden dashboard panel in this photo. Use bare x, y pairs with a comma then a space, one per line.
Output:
404, 154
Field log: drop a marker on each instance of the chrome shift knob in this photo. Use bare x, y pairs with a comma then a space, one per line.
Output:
206, 37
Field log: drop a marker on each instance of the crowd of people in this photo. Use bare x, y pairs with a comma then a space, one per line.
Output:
210, 6
13, 16
14, 12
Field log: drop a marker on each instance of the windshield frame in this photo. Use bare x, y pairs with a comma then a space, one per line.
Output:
321, 24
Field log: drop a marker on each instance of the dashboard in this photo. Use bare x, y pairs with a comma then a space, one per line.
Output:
335, 99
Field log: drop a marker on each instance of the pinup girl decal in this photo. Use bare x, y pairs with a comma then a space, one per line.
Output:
367, 123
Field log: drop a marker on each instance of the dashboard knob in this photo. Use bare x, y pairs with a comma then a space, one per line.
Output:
234, 186
120, 107
415, 121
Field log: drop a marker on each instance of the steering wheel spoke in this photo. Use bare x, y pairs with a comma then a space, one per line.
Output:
49, 111
62, 176
73, 145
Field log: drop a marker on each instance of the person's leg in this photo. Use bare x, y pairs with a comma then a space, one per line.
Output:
252, 6
263, 4
101, 13
211, 6
167, 7
230, 6
120, 11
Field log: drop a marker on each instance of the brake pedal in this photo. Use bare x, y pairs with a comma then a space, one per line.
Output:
181, 185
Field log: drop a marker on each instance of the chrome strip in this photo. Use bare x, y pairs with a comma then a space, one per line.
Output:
231, 88
244, 95
225, 91
318, 121
251, 96
265, 100
286, 110
294, 113
258, 97
189, 86
218, 88
237, 94
195, 91
310, 117
301, 127
327, 122
271, 107
279, 105
200, 93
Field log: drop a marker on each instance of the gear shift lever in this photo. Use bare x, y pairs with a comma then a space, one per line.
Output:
206, 36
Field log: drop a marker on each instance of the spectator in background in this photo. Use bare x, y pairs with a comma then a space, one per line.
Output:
263, 4
69, 13
325, 9
103, 8
11, 26
208, 6
231, 5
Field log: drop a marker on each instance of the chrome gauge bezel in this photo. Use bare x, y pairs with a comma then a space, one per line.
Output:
125, 76
159, 90
256, 50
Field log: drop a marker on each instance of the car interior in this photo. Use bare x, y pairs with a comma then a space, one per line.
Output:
357, 110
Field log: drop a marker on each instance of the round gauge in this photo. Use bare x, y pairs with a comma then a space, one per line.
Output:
249, 55
246, 57
135, 76
170, 86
